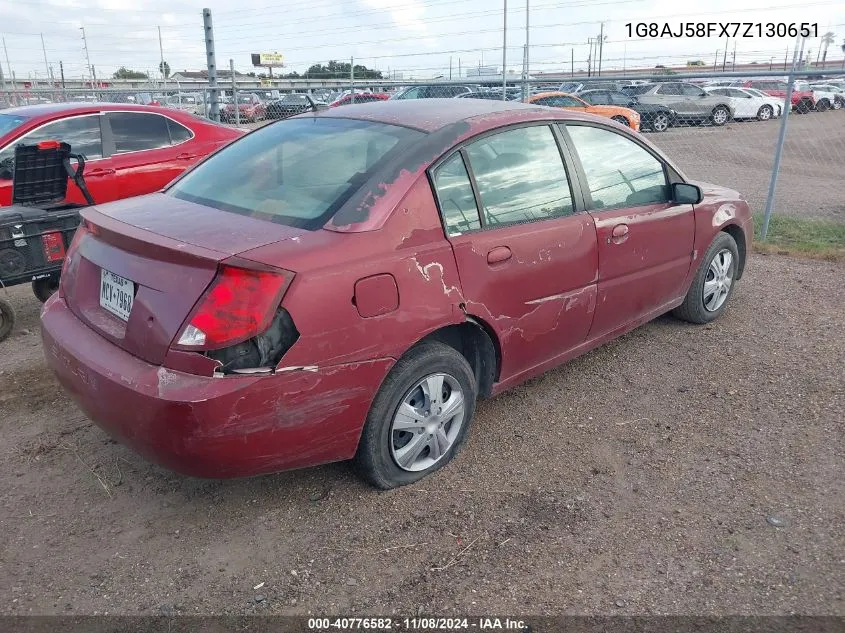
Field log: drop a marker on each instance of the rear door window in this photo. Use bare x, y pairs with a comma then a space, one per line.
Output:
137, 131
178, 132
297, 172
456, 198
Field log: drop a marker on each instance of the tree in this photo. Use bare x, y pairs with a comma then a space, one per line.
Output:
340, 70
827, 40
124, 73
164, 69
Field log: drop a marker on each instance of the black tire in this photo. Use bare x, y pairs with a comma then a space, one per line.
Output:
621, 119
765, 113
838, 102
7, 319
693, 308
720, 116
660, 122
374, 461
43, 289
804, 106
823, 105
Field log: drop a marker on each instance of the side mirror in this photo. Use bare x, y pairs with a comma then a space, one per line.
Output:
685, 193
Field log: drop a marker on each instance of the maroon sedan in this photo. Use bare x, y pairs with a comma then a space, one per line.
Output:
345, 284
129, 149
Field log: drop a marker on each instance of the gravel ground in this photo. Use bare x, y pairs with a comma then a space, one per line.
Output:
680, 469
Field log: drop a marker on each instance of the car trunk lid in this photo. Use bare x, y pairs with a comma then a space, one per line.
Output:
169, 250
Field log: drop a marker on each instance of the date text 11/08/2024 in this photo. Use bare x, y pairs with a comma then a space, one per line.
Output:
722, 29
416, 624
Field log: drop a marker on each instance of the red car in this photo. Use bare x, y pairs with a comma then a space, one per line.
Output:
345, 284
129, 149
365, 97
802, 100
250, 109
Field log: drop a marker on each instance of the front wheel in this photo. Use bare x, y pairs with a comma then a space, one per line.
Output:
660, 122
823, 105
621, 119
765, 113
720, 115
713, 282
7, 319
803, 107
838, 103
420, 417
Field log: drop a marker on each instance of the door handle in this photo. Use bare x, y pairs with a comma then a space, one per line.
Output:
619, 234
186, 156
498, 255
98, 173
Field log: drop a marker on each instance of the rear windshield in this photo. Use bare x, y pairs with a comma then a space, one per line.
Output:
9, 122
297, 172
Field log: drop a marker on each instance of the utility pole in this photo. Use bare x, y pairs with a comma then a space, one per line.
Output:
716, 61
590, 57
504, 50
571, 62
235, 92
733, 57
87, 56
44, 50
450, 67
352, 80
9, 67
725, 57
785, 58
601, 46
62, 74
459, 67
164, 68
525, 57
211, 62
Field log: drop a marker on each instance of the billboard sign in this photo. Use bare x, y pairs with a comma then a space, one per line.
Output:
270, 60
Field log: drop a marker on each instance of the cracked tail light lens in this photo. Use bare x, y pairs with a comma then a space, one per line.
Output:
239, 304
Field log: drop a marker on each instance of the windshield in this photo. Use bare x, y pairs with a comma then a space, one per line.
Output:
9, 122
569, 87
297, 172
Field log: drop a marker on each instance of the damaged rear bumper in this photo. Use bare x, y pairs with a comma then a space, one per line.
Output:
229, 426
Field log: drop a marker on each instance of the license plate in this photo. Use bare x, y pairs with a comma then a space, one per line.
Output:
116, 294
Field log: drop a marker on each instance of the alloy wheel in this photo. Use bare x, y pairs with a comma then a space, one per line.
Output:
717, 283
660, 123
427, 422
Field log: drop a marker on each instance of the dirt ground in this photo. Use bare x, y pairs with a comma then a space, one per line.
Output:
678, 470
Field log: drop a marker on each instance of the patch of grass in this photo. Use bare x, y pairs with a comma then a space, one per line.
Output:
807, 237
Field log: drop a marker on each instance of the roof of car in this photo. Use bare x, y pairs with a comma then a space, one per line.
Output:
428, 115
50, 109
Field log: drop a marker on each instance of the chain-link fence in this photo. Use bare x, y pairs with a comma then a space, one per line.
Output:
723, 129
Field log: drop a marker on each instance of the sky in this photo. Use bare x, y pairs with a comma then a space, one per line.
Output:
420, 39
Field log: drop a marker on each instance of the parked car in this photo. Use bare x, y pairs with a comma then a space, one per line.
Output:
689, 102
577, 87
748, 103
838, 93
444, 91
184, 101
129, 149
492, 95
824, 97
802, 100
364, 97
653, 117
291, 104
623, 115
250, 109
336, 286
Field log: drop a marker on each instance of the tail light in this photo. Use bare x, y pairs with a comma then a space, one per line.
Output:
53, 245
83, 228
240, 304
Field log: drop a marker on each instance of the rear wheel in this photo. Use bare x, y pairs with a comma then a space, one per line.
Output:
420, 417
43, 289
804, 106
765, 113
720, 115
713, 282
838, 103
660, 122
7, 319
621, 119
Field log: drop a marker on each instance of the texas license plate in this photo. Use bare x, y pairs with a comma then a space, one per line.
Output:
116, 294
